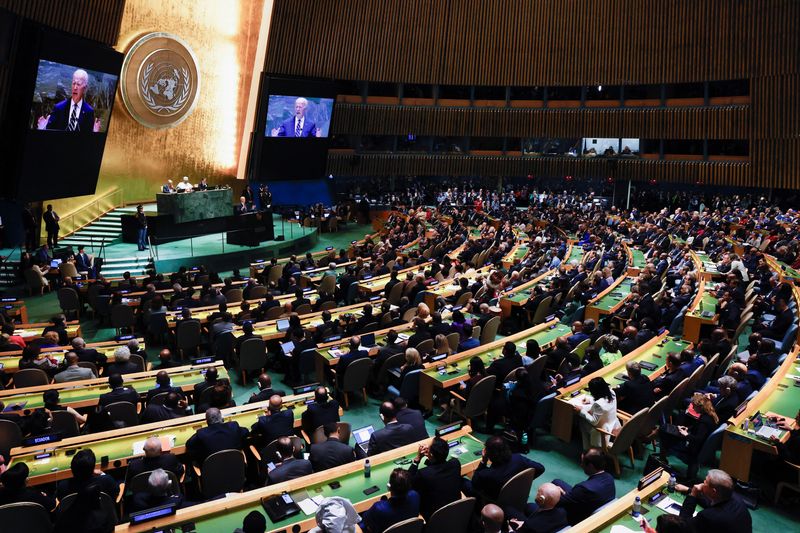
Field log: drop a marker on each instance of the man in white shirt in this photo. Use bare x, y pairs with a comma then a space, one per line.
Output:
185, 186
74, 114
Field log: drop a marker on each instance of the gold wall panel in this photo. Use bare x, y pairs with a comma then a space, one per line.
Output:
223, 36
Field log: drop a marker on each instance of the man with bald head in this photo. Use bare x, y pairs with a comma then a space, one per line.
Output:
163, 385
321, 411
492, 518
74, 114
298, 125
73, 372
265, 390
276, 423
154, 457
547, 516
174, 406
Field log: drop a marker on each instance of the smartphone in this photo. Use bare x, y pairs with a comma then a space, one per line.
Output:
334, 485
104, 461
372, 490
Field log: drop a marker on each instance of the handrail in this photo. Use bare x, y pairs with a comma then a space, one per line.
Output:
94, 209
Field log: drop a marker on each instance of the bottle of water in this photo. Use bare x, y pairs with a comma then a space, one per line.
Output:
524, 439
367, 469
637, 506
671, 483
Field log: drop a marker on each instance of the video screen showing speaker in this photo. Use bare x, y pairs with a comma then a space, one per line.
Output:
73, 99
59, 111
295, 119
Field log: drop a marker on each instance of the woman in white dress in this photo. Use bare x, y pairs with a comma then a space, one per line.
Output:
599, 411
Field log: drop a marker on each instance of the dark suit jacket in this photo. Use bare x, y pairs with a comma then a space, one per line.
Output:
166, 461
59, 117
501, 367
329, 454
392, 436
91, 355
730, 516
549, 521
289, 469
122, 368
437, 484
667, 382
778, 328
319, 414
345, 361
215, 438
635, 394
488, 480
286, 129
122, 394
161, 390
266, 394
270, 427
587, 496
159, 413
413, 418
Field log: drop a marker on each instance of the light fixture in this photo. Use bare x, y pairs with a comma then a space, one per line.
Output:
599, 88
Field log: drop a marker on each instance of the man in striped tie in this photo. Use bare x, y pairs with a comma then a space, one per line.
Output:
74, 114
299, 125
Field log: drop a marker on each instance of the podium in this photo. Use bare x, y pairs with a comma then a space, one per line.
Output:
195, 205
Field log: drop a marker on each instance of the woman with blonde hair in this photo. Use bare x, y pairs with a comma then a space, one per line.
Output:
441, 345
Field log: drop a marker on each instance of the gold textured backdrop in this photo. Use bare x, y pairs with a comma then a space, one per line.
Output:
224, 36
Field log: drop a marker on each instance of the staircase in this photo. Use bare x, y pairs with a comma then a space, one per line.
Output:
137, 266
106, 229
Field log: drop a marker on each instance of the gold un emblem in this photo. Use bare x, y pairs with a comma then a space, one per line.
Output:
160, 80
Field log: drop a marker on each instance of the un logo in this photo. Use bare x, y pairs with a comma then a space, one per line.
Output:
160, 80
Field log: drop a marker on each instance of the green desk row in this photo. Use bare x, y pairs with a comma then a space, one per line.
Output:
651, 511
522, 296
51, 462
576, 254
612, 299
86, 393
228, 515
639, 261
655, 355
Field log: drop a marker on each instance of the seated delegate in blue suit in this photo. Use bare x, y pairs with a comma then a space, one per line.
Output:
298, 125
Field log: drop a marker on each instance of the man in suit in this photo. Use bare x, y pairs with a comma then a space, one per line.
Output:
439, 483
577, 337
402, 504
636, 393
412, 417
289, 468
122, 362
510, 360
154, 457
163, 386
73, 372
265, 390
671, 377
276, 423
217, 436
298, 125
497, 466
174, 406
721, 511
83, 263
393, 435
332, 452
75, 114
468, 342
209, 380
726, 402
584, 498
324, 410
243, 206
168, 187
782, 321
355, 352
118, 392
629, 342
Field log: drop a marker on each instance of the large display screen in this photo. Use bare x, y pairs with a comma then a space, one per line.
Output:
291, 134
58, 113
71, 98
298, 116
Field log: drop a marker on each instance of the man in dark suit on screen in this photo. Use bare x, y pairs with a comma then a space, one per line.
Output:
74, 114
298, 125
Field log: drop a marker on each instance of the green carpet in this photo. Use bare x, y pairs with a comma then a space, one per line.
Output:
560, 459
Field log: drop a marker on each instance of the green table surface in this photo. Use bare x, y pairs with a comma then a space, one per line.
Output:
522, 296
576, 254
610, 300
27, 333
638, 258
707, 264
784, 401
651, 513
788, 271
82, 393
708, 302
11, 362
121, 447
656, 355
352, 487
271, 327
544, 338
520, 253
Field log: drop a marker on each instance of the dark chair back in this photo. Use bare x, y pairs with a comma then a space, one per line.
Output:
10, 437
409, 388
122, 413
30, 377
479, 397
223, 348
344, 433
26, 516
412, 525
223, 472
64, 422
516, 490
454, 516
106, 503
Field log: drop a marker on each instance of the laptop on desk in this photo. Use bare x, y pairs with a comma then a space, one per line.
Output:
362, 436
368, 340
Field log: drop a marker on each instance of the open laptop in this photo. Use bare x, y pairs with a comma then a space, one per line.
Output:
362, 436
287, 348
54, 263
283, 324
368, 340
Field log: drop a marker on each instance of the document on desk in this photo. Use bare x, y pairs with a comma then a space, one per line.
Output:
767, 433
309, 506
580, 400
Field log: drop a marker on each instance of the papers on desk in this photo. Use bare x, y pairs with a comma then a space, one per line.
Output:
767, 433
335, 352
580, 400
622, 529
316, 323
403, 337
167, 442
309, 506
